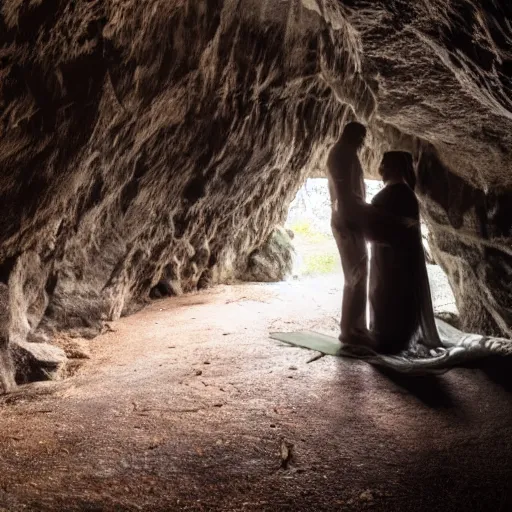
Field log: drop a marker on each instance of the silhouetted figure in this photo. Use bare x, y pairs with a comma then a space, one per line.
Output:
399, 293
347, 190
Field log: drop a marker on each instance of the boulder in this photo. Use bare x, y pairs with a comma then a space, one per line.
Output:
37, 361
274, 260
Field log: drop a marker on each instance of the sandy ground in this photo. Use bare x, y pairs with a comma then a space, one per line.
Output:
188, 405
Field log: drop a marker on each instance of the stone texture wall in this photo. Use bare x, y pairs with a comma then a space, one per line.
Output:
151, 142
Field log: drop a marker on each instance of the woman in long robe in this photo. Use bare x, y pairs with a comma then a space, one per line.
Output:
399, 293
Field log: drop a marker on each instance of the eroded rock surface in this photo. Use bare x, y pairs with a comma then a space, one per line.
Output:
160, 142
274, 260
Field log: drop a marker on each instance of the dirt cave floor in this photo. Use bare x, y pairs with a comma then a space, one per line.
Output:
188, 405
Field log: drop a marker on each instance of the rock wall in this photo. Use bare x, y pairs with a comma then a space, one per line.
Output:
150, 142
471, 238
159, 143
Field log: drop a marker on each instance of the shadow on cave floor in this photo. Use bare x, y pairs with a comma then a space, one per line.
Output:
498, 370
189, 405
431, 389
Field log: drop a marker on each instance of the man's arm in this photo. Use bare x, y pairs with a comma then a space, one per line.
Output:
375, 224
351, 213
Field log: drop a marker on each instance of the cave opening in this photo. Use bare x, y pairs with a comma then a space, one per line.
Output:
317, 258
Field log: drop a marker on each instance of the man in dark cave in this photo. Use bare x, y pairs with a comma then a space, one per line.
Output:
347, 191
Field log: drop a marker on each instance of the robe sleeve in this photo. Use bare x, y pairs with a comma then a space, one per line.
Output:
390, 226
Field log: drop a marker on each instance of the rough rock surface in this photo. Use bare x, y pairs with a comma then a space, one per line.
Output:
38, 361
160, 142
273, 261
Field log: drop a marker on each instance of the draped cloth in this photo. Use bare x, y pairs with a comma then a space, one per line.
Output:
457, 348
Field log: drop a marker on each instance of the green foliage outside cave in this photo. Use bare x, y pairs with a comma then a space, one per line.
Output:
317, 250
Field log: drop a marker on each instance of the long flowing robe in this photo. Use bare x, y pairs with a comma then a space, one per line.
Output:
399, 294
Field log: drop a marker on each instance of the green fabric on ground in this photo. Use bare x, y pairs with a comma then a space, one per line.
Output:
309, 339
458, 348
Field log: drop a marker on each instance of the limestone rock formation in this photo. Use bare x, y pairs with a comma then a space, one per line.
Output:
274, 260
145, 143
160, 142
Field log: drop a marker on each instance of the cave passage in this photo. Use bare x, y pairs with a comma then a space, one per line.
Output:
149, 152
188, 405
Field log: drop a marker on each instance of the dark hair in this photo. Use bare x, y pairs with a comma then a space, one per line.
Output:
354, 133
400, 162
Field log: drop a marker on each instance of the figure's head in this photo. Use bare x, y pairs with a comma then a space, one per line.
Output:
354, 134
397, 166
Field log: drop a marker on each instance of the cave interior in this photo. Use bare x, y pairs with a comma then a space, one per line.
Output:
149, 154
